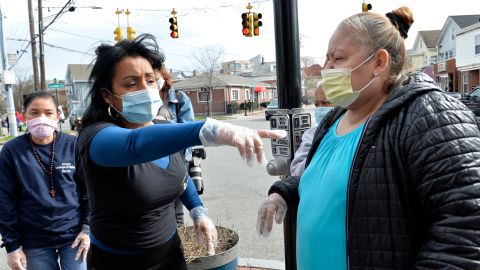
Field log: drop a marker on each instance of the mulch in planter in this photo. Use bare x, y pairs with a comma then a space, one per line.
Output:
226, 240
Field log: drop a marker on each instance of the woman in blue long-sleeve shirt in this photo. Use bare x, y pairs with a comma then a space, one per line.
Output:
132, 168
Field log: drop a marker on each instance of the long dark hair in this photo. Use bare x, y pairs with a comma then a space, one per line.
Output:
104, 67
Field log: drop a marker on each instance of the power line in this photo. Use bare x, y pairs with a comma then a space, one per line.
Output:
56, 16
68, 50
78, 35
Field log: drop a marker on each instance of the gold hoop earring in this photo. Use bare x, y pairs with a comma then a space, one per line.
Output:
110, 113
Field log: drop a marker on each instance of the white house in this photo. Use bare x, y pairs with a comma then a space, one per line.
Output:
468, 56
446, 73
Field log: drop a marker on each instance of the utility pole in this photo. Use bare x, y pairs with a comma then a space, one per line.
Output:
43, 84
12, 120
34, 46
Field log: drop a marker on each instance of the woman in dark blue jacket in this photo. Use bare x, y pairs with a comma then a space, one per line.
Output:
43, 207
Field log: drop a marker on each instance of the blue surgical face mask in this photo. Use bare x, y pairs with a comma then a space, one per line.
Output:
141, 106
320, 113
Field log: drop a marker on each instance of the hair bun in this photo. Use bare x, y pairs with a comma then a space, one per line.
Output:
402, 19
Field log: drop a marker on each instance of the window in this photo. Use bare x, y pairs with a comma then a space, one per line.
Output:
234, 94
247, 94
450, 54
202, 96
433, 59
477, 44
465, 82
238, 66
246, 66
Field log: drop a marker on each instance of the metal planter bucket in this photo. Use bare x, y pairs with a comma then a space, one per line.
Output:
226, 260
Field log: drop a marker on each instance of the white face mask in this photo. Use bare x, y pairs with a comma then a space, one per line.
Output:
337, 85
160, 83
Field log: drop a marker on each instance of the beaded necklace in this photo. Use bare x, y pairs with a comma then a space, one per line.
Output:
49, 172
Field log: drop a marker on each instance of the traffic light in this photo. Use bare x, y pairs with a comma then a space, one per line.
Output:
131, 33
247, 24
173, 27
366, 7
118, 34
257, 23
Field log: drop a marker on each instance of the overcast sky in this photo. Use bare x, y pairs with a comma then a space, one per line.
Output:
202, 24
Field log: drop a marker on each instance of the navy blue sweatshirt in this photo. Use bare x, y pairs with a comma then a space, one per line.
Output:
29, 217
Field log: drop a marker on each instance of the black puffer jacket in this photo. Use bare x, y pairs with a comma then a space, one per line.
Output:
414, 189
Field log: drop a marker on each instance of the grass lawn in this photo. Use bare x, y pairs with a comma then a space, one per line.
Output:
6, 139
217, 117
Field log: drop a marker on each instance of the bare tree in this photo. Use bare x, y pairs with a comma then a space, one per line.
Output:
25, 85
209, 61
310, 75
306, 61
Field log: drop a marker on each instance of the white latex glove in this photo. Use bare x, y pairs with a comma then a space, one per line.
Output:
273, 205
83, 243
17, 260
205, 230
248, 141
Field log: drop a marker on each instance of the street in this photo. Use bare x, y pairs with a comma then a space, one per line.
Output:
233, 193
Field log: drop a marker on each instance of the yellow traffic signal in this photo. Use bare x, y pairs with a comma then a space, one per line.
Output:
131, 33
257, 23
173, 27
366, 7
118, 34
247, 24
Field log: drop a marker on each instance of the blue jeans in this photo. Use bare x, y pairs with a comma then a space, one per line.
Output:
49, 258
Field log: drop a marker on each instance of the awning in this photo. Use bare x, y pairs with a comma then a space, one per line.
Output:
258, 89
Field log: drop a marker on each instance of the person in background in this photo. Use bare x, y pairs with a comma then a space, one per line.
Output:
176, 108
392, 179
62, 114
134, 170
322, 108
43, 205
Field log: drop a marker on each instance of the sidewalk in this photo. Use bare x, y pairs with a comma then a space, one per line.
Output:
254, 113
259, 264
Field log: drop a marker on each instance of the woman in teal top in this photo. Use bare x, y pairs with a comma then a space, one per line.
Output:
325, 233
392, 178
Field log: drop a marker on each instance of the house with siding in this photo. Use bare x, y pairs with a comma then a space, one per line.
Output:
78, 87
423, 55
445, 70
468, 56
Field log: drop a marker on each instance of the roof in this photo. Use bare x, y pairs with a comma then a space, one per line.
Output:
263, 69
469, 28
176, 74
430, 37
466, 20
79, 72
218, 80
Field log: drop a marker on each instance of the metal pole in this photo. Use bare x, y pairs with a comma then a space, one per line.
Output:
12, 120
287, 48
43, 83
33, 45
60, 107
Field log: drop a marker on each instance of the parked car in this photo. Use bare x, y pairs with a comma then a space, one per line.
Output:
75, 118
271, 108
455, 95
472, 100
